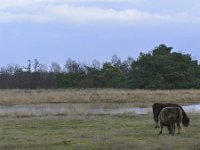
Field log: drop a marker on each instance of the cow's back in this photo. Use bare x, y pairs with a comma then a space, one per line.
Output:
170, 115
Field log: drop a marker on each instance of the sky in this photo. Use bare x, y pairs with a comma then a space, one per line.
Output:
84, 30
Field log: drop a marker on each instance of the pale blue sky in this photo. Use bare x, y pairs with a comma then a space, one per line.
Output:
54, 30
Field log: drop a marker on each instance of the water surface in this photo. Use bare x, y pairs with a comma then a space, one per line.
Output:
79, 109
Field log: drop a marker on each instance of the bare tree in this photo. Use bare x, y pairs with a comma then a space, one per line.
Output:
116, 61
42, 68
126, 64
96, 64
130, 61
36, 65
72, 66
11, 69
29, 67
55, 67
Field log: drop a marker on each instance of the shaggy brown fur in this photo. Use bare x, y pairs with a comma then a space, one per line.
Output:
157, 107
169, 116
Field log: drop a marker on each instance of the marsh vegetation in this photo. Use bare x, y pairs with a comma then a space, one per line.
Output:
75, 129
138, 97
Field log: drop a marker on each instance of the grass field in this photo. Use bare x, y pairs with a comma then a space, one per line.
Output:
79, 131
143, 97
127, 132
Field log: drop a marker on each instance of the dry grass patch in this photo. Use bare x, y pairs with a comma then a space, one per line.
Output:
143, 97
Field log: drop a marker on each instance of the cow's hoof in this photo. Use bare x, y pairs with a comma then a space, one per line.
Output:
157, 126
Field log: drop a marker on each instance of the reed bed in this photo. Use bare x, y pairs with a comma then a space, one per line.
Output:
143, 97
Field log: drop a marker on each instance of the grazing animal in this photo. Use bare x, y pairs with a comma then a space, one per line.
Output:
157, 107
169, 116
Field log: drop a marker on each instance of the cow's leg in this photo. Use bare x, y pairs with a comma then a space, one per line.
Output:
173, 128
179, 126
156, 121
156, 124
161, 127
169, 128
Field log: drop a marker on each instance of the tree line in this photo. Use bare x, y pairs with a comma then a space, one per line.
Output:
160, 68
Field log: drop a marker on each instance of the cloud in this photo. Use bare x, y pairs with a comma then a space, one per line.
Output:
15, 3
61, 11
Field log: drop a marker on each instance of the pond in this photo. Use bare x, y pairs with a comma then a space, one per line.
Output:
29, 110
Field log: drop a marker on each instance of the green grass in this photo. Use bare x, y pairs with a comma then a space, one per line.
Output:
95, 133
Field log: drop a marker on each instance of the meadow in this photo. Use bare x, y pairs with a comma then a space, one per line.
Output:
143, 97
77, 131
104, 132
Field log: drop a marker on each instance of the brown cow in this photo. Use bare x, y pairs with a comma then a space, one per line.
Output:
157, 107
169, 116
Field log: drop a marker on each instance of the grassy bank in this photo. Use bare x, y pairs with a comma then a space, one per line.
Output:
94, 133
143, 97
